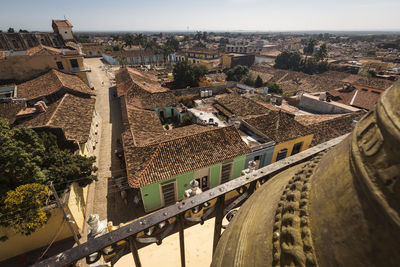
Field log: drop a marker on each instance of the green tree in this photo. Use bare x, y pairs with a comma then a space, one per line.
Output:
21, 155
116, 37
22, 208
140, 39
117, 48
372, 73
288, 60
274, 88
322, 53
27, 157
205, 36
122, 60
10, 30
200, 44
186, 38
248, 80
308, 50
237, 73
128, 39
198, 36
309, 66
259, 82
172, 42
186, 74
166, 50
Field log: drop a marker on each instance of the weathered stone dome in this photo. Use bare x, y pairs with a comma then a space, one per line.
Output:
342, 208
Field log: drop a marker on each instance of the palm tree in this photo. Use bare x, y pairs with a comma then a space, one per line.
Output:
140, 39
122, 60
309, 48
166, 51
128, 39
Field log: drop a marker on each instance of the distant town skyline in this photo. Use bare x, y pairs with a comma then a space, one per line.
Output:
206, 15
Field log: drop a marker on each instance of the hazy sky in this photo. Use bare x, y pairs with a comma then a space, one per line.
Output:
217, 15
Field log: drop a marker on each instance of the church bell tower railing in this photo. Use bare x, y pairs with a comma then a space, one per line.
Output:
172, 219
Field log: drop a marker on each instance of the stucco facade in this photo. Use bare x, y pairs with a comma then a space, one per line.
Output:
288, 146
262, 157
24, 67
152, 196
17, 244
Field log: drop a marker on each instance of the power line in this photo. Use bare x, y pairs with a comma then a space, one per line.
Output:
54, 239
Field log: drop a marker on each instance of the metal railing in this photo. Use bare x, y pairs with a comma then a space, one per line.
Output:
219, 210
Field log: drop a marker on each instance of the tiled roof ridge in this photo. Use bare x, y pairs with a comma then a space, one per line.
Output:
56, 73
225, 107
40, 47
138, 175
189, 135
55, 111
277, 121
153, 157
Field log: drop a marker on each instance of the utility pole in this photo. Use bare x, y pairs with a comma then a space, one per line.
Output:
59, 204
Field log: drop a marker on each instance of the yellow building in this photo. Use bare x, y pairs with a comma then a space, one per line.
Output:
290, 136
20, 66
68, 111
291, 147
56, 228
228, 61
202, 56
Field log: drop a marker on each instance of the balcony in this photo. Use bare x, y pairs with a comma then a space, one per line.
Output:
169, 220
77, 69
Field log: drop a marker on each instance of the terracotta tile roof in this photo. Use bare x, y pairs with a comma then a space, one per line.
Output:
327, 127
3, 54
342, 96
160, 161
72, 114
143, 90
201, 50
9, 110
278, 126
50, 83
146, 127
356, 97
235, 106
374, 83
43, 50
293, 81
284, 107
365, 100
135, 53
62, 23
307, 120
144, 124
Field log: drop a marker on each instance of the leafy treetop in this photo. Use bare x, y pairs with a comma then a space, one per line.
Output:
27, 157
22, 208
186, 74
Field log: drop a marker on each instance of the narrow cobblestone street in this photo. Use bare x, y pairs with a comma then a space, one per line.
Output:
105, 196
104, 107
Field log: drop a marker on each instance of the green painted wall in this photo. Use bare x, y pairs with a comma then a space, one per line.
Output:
214, 175
151, 195
183, 182
168, 111
238, 166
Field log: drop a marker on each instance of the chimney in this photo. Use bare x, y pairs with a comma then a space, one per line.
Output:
40, 106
